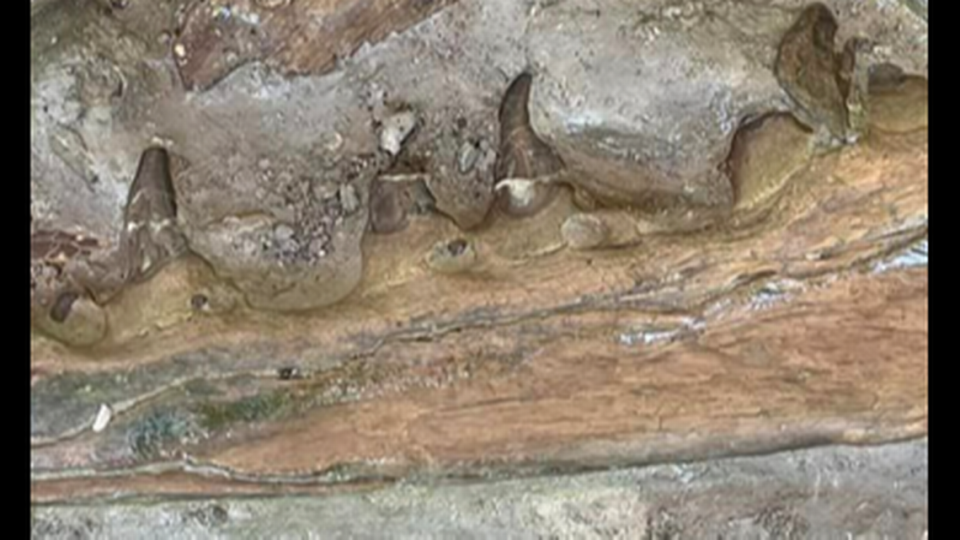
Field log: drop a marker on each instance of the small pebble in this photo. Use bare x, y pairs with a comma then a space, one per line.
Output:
584, 231
282, 232
323, 190
289, 246
395, 130
333, 142
317, 247
467, 157
349, 199
103, 418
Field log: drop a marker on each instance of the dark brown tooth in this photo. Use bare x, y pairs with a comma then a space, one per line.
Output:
388, 214
808, 67
151, 237
153, 178
523, 155
61, 307
514, 113
393, 202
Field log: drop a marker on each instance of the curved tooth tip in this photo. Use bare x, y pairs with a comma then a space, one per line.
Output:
521, 190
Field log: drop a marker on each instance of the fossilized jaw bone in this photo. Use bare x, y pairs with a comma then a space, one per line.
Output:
151, 237
70, 280
524, 158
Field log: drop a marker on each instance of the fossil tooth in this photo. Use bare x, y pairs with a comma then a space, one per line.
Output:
387, 212
809, 70
514, 110
523, 155
151, 237
392, 202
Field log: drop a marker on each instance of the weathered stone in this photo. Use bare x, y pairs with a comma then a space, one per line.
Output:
642, 103
584, 231
735, 339
307, 262
765, 153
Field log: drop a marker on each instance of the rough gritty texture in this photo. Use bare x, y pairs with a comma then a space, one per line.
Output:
833, 492
803, 324
639, 99
643, 100
219, 36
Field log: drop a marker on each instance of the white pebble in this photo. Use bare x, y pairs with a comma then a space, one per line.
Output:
103, 418
395, 130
